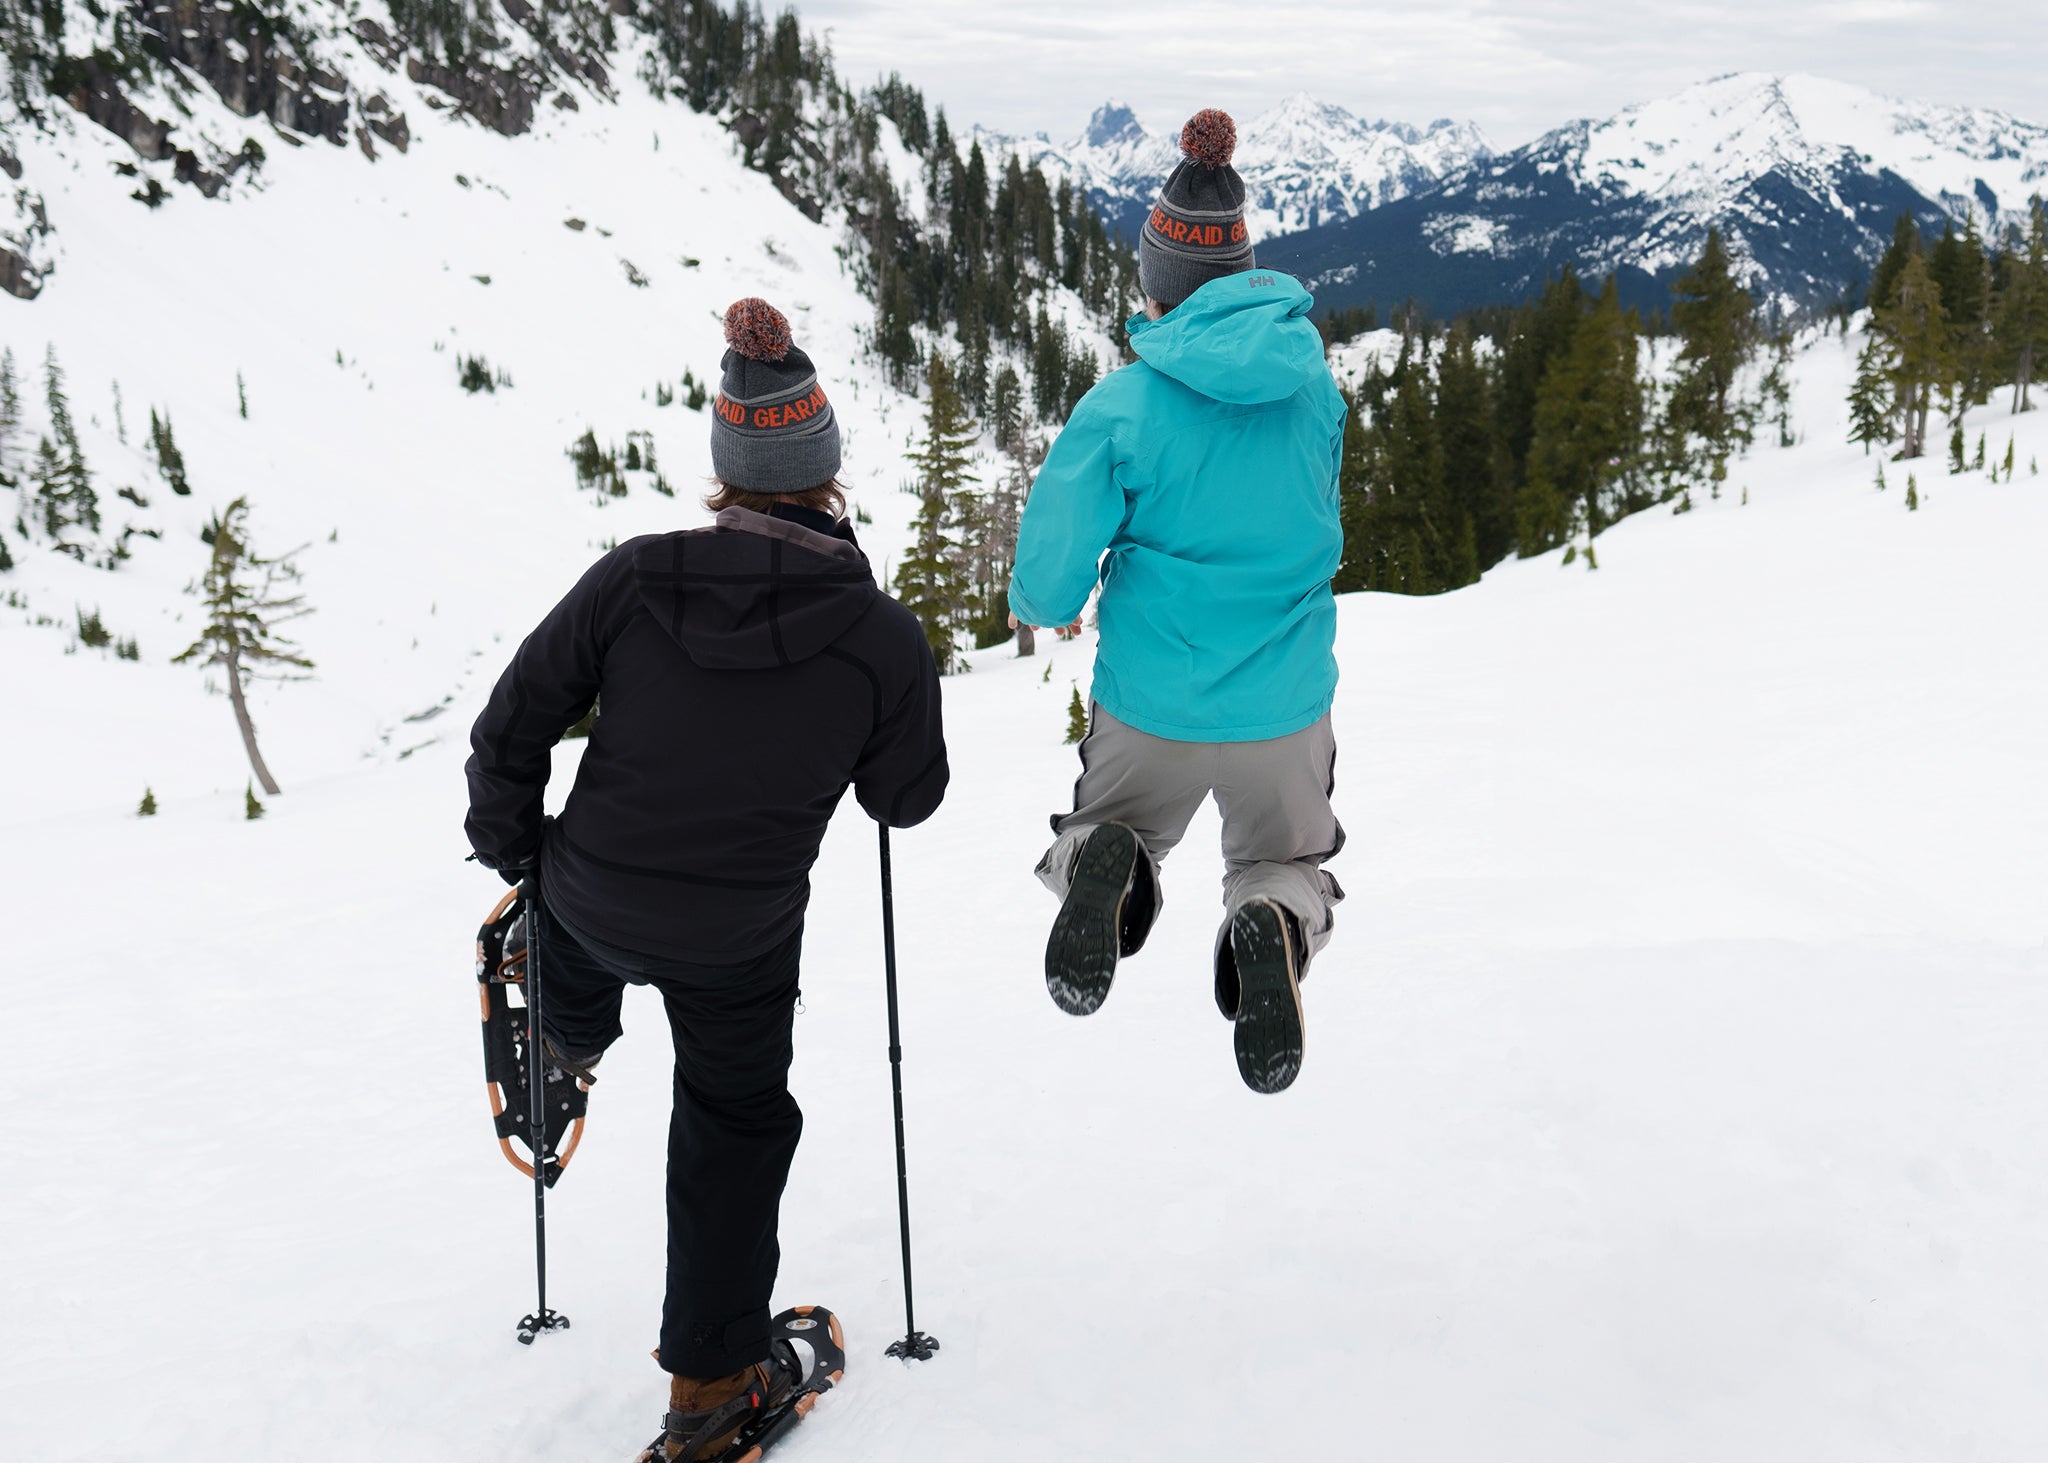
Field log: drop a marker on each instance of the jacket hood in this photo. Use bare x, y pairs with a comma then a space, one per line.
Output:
1243, 338
753, 591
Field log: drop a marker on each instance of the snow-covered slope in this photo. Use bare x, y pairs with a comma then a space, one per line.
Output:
1674, 1085
1804, 175
1304, 162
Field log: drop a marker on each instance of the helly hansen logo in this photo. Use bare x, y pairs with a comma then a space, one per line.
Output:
1208, 235
768, 418
1264, 282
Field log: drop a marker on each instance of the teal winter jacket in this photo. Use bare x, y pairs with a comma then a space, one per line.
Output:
1203, 480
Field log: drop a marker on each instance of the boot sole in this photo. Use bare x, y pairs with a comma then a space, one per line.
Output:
1081, 954
1270, 1034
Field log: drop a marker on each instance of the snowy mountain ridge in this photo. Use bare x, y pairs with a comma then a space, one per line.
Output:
1804, 175
1304, 162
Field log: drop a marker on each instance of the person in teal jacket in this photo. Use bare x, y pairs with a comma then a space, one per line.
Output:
1198, 487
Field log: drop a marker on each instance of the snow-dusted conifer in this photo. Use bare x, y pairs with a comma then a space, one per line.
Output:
246, 597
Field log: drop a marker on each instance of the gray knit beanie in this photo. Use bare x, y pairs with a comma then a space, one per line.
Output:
772, 430
1196, 232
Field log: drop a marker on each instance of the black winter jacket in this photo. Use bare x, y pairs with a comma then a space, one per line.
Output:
745, 675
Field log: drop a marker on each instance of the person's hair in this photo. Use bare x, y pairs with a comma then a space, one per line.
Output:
827, 497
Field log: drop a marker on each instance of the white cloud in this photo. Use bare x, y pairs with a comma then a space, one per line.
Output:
1518, 69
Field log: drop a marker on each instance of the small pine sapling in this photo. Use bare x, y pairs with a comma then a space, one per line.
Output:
241, 396
1977, 463
1912, 493
147, 807
664, 394
2008, 459
169, 460
1880, 475
246, 598
1077, 716
1955, 448
91, 632
251, 809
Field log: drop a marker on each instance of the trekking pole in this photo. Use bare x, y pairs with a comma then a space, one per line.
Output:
542, 1318
915, 1344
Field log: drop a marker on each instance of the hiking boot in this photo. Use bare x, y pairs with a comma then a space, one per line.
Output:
705, 1414
708, 1417
583, 1068
1264, 961
1107, 913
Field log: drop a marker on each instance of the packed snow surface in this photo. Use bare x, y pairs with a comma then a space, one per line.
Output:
1673, 1086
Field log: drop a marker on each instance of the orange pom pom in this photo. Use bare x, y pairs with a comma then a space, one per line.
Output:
1209, 138
757, 330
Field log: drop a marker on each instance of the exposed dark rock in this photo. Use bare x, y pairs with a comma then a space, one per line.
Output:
567, 102
186, 169
383, 47
502, 100
100, 99
17, 276
10, 164
621, 7
255, 74
519, 10
393, 130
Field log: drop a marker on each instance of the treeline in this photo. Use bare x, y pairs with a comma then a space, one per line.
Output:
984, 267
1948, 324
1519, 431
973, 266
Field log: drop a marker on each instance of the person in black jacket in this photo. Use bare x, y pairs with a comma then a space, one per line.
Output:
744, 676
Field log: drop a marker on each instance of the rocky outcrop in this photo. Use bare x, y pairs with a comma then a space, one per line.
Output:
502, 100
96, 95
17, 276
254, 66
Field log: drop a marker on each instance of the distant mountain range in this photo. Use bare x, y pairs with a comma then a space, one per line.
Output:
1805, 177
1305, 163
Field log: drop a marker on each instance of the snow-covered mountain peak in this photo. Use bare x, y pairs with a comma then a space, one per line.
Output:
1112, 124
1716, 139
1304, 161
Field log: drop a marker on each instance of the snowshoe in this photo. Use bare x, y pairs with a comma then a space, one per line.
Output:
1265, 949
806, 1357
501, 970
1107, 913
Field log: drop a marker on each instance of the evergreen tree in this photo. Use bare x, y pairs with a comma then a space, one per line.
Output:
1776, 391
147, 807
1464, 420
1077, 717
1715, 319
1589, 427
1955, 447
169, 460
2022, 307
66, 504
246, 599
1914, 328
252, 809
10, 417
933, 580
1912, 493
1871, 414
1884, 280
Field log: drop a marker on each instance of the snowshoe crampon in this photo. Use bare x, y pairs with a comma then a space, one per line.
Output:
501, 971
806, 1358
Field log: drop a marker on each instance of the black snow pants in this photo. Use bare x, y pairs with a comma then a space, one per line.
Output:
731, 1136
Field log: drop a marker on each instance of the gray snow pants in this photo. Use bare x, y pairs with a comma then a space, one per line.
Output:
1278, 827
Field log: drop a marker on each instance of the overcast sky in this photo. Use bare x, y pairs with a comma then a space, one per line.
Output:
1518, 69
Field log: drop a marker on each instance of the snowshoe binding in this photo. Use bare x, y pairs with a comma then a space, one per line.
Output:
1107, 914
500, 970
806, 1357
